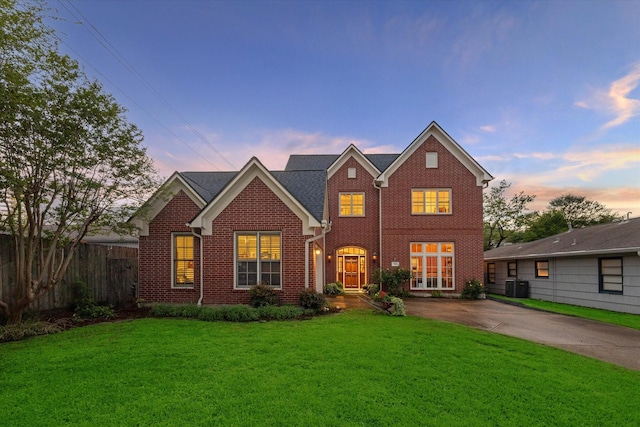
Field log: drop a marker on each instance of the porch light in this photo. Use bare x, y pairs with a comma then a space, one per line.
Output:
375, 257
328, 256
317, 251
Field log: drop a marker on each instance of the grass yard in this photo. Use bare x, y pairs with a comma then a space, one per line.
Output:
355, 368
613, 317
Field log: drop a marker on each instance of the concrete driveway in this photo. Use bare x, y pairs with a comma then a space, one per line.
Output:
614, 344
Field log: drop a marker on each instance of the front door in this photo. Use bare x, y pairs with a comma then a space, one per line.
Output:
351, 273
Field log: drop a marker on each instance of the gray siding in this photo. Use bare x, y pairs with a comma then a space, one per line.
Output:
575, 280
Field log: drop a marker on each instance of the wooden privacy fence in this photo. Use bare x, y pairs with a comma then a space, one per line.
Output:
111, 272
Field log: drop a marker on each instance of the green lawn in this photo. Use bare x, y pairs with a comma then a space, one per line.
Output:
613, 317
356, 368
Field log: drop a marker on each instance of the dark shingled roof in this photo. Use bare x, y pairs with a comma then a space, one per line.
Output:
615, 237
208, 184
308, 187
304, 162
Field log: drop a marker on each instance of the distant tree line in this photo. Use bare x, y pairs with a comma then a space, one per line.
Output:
507, 220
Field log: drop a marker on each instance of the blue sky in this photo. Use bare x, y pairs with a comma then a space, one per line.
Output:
543, 94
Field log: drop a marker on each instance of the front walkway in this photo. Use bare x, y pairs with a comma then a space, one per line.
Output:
610, 343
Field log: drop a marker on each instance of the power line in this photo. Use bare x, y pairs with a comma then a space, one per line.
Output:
129, 67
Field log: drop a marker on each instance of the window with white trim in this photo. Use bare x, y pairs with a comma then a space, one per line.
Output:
610, 275
432, 265
512, 269
430, 201
351, 204
491, 272
258, 259
182, 257
542, 269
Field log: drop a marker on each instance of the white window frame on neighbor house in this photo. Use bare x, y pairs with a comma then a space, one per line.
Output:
512, 269
181, 261
430, 201
348, 208
428, 258
254, 256
610, 276
542, 269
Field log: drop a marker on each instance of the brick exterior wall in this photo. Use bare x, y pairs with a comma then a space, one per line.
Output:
256, 208
352, 231
154, 267
463, 227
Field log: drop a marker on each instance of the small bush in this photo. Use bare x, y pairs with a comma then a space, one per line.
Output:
263, 295
311, 299
436, 294
473, 289
334, 288
230, 313
371, 289
398, 306
280, 313
85, 305
30, 328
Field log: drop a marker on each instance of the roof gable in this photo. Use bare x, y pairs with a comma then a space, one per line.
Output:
255, 169
352, 152
482, 176
161, 198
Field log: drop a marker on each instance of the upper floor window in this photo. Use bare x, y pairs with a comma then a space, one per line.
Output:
258, 259
351, 204
182, 254
430, 201
610, 270
542, 269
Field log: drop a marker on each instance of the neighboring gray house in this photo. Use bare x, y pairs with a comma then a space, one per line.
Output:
597, 266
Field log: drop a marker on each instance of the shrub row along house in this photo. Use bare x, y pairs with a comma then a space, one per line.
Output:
207, 237
596, 266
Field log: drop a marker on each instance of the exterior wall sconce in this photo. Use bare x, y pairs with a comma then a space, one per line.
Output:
329, 256
375, 257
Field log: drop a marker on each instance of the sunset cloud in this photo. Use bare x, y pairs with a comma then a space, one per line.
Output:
616, 100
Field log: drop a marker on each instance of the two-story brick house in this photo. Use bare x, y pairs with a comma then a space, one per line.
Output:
208, 237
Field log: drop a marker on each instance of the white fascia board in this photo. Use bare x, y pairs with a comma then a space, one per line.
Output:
252, 170
161, 198
595, 252
352, 151
482, 176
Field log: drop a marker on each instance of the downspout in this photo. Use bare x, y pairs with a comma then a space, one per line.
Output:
378, 185
306, 252
199, 236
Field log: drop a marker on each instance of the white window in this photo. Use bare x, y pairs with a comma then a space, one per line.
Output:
430, 201
351, 204
432, 160
182, 261
258, 259
432, 265
611, 275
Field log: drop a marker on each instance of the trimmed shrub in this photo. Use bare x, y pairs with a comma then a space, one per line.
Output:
398, 306
371, 289
334, 288
85, 305
230, 313
263, 295
311, 299
473, 289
